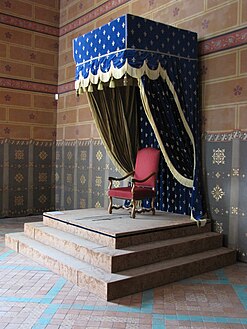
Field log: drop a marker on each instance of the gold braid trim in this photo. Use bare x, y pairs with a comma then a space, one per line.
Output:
187, 128
200, 222
180, 178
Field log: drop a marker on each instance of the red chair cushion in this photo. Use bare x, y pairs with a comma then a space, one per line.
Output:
140, 193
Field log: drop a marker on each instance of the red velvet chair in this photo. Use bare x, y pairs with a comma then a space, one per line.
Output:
143, 182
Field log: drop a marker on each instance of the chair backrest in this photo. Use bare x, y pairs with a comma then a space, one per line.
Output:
147, 161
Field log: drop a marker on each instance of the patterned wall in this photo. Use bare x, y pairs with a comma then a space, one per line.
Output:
27, 177
82, 171
36, 62
226, 186
28, 81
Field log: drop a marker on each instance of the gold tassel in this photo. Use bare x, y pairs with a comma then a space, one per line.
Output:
112, 83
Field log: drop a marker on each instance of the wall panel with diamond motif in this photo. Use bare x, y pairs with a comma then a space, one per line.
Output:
69, 164
218, 179
59, 176
18, 155
27, 180
241, 173
100, 173
43, 175
83, 174
226, 187
82, 171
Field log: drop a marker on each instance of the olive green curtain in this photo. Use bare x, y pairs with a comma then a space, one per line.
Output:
115, 114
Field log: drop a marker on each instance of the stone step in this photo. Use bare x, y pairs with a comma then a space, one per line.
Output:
120, 231
115, 285
115, 260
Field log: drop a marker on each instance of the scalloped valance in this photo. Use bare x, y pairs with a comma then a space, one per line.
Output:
132, 45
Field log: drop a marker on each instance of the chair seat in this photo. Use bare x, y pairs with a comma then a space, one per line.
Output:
143, 182
140, 193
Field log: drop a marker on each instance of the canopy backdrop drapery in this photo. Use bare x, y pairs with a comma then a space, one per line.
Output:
159, 110
116, 127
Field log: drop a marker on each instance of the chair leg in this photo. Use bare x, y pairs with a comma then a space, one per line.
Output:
152, 206
133, 211
110, 205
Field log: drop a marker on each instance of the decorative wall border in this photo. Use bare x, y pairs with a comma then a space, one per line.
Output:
29, 25
27, 142
66, 87
223, 42
215, 44
91, 15
67, 28
95, 142
226, 137
28, 85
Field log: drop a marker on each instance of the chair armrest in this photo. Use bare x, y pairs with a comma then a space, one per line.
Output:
111, 179
134, 180
121, 178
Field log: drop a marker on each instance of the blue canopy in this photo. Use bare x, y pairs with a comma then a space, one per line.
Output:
163, 59
129, 44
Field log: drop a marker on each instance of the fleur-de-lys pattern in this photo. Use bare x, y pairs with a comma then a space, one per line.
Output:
129, 40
